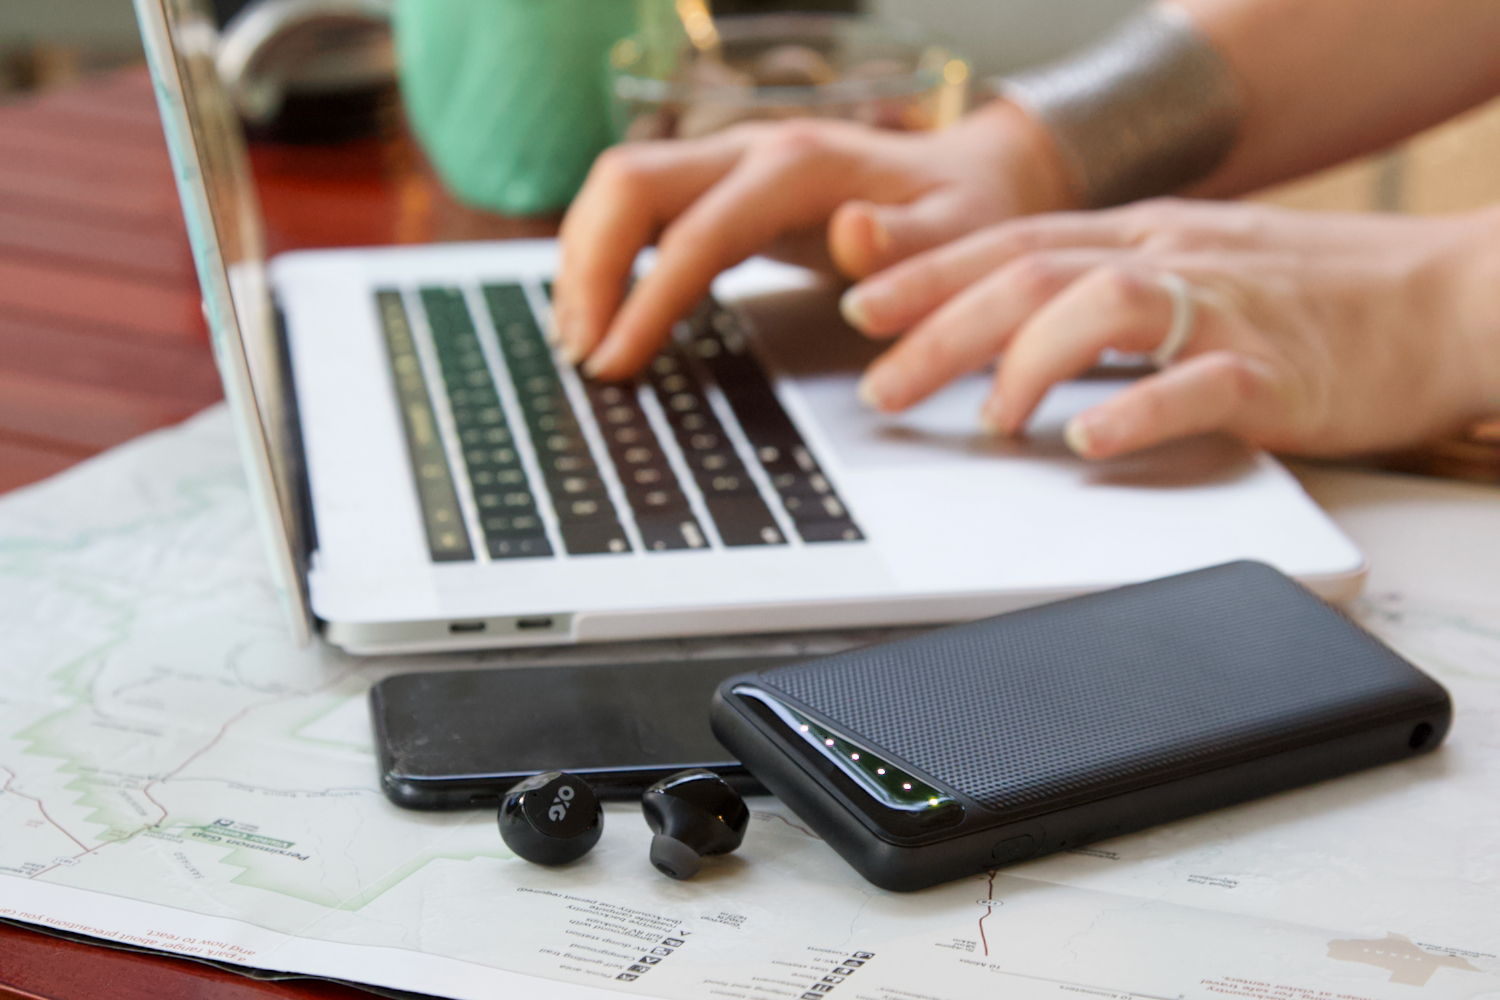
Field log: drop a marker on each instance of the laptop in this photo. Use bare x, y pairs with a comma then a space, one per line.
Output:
429, 474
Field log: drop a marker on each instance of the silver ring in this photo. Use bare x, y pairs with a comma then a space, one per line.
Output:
1184, 318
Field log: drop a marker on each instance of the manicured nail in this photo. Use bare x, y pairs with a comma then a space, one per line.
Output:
852, 307
870, 394
988, 425
572, 350
1076, 434
592, 366
552, 331
862, 303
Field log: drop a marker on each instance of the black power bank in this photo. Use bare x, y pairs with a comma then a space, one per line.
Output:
974, 747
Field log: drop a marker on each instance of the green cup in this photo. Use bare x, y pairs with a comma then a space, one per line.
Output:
508, 97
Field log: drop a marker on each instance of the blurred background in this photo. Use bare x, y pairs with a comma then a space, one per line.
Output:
46, 42
51, 43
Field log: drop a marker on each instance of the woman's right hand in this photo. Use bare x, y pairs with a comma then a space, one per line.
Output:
872, 198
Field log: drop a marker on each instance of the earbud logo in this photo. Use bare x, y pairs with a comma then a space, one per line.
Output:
559, 808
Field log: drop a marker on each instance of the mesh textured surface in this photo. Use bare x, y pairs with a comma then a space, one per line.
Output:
1080, 695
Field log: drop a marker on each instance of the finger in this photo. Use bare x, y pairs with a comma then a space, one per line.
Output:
771, 191
971, 328
1209, 392
1111, 306
899, 297
630, 193
864, 237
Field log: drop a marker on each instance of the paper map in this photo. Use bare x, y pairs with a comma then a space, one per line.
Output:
175, 774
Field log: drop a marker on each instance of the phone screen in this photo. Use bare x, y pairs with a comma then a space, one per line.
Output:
460, 739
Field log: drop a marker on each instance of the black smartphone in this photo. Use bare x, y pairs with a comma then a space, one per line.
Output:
460, 739
974, 747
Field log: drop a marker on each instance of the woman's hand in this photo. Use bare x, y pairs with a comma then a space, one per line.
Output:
710, 203
1313, 333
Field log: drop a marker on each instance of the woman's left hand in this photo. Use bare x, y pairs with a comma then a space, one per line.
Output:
1309, 333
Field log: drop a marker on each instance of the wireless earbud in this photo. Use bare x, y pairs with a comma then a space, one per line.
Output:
551, 818
693, 813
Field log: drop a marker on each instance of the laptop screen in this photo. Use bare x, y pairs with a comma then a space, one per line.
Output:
207, 147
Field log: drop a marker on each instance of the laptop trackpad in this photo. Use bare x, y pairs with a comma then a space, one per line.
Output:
804, 338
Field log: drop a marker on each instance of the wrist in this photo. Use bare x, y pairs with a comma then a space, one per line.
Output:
1021, 151
1150, 110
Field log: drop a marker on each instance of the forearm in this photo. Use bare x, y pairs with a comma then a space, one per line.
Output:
1325, 80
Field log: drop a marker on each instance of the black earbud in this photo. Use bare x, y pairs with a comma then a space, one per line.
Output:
551, 818
693, 813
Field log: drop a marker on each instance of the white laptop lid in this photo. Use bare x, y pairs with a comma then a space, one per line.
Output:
207, 147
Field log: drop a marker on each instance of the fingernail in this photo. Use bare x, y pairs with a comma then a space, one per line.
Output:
860, 304
852, 308
572, 350
593, 365
870, 394
1078, 438
879, 235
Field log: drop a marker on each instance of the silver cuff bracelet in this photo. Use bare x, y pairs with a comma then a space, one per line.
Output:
1148, 111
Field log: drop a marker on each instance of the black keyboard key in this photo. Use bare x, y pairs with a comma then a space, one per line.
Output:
586, 538
518, 546
645, 477
581, 485
727, 484
744, 520
586, 516
504, 477
564, 443
508, 524
829, 531
661, 534
650, 503
442, 519
593, 507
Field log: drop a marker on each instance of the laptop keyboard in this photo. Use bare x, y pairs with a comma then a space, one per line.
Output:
730, 494
586, 515
719, 500
502, 491
442, 517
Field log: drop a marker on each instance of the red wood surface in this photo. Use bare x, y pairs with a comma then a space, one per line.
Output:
35, 966
101, 337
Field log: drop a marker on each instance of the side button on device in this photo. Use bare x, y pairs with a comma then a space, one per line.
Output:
1014, 849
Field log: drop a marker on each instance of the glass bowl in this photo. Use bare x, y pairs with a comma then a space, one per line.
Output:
771, 67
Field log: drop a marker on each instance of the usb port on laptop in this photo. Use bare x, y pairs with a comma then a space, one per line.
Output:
459, 628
